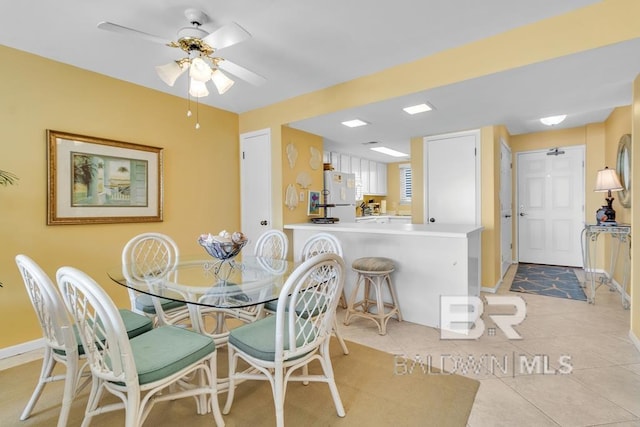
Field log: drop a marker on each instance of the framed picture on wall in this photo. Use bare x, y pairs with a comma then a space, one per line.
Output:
98, 181
312, 203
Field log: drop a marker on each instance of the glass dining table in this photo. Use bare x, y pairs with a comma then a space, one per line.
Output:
230, 288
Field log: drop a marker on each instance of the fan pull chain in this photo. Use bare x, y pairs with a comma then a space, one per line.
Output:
197, 113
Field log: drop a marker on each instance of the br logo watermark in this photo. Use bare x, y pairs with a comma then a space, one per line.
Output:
460, 316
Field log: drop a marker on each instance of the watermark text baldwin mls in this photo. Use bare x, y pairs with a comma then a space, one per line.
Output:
483, 364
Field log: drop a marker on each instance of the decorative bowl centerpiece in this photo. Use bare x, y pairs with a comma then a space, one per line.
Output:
223, 246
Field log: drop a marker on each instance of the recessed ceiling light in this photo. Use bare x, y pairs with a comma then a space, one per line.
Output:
420, 108
354, 123
553, 120
389, 152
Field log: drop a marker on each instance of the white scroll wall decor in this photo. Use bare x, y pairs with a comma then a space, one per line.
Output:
292, 154
316, 158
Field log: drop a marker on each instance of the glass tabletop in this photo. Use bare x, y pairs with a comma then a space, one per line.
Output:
241, 282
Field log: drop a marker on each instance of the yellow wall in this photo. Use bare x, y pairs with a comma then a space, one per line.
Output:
201, 186
617, 124
635, 212
303, 142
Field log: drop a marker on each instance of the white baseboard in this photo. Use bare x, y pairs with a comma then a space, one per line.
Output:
495, 288
491, 290
617, 285
635, 340
21, 348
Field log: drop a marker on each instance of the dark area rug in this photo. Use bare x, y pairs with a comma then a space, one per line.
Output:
548, 280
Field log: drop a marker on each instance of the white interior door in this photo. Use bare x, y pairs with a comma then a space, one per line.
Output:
551, 206
255, 184
452, 183
506, 210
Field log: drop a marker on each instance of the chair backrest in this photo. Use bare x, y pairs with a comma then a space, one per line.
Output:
57, 327
320, 243
148, 260
272, 244
100, 326
149, 255
307, 305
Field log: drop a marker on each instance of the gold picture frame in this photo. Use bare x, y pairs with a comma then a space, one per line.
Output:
101, 181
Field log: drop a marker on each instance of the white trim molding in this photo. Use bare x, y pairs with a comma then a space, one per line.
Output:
21, 348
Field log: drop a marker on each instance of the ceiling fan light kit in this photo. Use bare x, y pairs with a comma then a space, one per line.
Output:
200, 47
170, 72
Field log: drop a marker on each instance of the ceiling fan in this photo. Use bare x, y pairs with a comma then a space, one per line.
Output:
201, 48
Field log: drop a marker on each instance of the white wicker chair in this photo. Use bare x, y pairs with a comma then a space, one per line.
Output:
162, 364
281, 346
321, 243
149, 259
272, 244
61, 343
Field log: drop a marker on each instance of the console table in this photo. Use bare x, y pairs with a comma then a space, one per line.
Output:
620, 238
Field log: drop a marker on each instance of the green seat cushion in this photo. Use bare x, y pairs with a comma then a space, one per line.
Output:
373, 264
166, 350
271, 305
134, 323
312, 309
258, 339
144, 303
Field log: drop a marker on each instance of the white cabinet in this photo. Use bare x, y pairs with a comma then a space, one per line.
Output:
335, 161
366, 219
326, 157
355, 169
384, 219
364, 173
371, 177
400, 219
345, 163
382, 179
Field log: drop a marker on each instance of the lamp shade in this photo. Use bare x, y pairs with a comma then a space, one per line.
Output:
198, 89
170, 72
199, 70
607, 180
222, 82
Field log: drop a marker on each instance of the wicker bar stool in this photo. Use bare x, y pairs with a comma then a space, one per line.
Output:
373, 274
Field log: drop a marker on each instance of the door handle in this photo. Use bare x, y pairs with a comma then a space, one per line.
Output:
507, 216
432, 220
522, 214
263, 222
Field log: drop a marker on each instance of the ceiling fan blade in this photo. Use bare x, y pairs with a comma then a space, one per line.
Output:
241, 72
109, 26
226, 36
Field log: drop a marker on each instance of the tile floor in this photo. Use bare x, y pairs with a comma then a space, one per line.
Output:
602, 389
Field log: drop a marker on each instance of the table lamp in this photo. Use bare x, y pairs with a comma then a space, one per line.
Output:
607, 180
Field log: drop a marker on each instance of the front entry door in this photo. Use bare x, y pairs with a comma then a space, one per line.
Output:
551, 206
255, 185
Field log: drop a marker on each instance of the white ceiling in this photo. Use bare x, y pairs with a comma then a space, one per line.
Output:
303, 46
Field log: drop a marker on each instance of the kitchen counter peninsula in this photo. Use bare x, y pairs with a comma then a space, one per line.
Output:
431, 260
